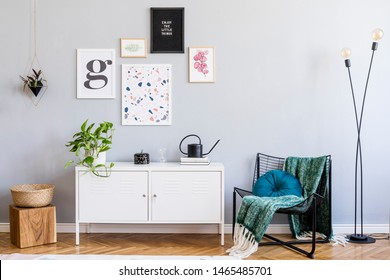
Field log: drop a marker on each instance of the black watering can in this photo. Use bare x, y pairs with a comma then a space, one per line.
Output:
195, 150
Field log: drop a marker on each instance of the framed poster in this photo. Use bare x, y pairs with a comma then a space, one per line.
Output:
201, 65
167, 30
95, 73
146, 94
133, 47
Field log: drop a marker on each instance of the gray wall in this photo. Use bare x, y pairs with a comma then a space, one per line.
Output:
281, 88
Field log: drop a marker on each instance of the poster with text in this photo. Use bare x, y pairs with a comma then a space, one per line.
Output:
167, 30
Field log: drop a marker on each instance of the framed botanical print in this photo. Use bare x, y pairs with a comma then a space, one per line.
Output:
95, 73
201, 65
167, 30
146, 94
133, 47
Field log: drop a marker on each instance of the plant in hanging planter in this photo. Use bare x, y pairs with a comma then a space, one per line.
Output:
35, 81
90, 145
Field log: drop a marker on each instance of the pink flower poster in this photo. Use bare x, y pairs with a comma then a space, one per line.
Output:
201, 65
146, 94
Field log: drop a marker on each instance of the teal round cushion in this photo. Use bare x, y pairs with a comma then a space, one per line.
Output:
276, 183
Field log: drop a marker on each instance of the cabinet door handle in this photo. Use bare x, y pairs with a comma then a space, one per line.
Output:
155, 195
144, 195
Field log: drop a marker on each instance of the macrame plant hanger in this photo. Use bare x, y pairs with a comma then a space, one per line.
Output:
35, 66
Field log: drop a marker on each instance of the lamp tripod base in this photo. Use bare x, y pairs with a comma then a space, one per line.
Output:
361, 239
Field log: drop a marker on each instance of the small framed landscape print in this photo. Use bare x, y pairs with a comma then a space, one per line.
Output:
167, 30
146, 94
133, 47
95, 73
201, 65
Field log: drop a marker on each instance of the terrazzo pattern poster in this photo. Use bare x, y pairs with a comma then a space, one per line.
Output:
146, 94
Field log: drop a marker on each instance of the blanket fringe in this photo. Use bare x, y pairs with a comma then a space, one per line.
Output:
309, 234
244, 242
339, 239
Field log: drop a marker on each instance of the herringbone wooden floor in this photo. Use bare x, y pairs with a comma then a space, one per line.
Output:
189, 245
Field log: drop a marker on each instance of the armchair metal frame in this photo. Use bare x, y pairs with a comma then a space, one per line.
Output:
263, 164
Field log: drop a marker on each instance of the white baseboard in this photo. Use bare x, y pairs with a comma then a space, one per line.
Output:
195, 228
4, 227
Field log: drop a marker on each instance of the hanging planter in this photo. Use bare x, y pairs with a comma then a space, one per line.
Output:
34, 82
36, 90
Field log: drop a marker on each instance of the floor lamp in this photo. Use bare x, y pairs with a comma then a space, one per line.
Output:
377, 34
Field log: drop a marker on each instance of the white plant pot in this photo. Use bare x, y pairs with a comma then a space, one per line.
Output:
101, 159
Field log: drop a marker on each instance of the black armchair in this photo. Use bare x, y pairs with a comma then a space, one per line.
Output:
308, 210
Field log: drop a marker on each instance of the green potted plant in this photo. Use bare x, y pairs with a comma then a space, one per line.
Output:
90, 145
35, 81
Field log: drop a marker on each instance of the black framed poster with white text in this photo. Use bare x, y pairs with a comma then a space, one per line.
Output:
167, 30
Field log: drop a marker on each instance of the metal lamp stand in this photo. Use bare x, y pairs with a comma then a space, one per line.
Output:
359, 237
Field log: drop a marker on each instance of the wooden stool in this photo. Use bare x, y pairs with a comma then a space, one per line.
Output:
32, 226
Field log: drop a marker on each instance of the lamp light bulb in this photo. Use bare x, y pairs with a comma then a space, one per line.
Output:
377, 34
346, 53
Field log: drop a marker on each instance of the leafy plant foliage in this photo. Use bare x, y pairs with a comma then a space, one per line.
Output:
87, 144
34, 80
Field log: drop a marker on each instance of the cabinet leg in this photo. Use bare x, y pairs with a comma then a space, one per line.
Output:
222, 231
77, 234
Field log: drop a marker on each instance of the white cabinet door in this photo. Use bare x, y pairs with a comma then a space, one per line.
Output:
120, 197
186, 197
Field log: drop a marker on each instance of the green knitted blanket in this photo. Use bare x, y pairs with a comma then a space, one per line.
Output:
256, 213
310, 173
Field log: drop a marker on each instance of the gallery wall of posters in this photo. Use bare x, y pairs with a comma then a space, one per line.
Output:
146, 89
